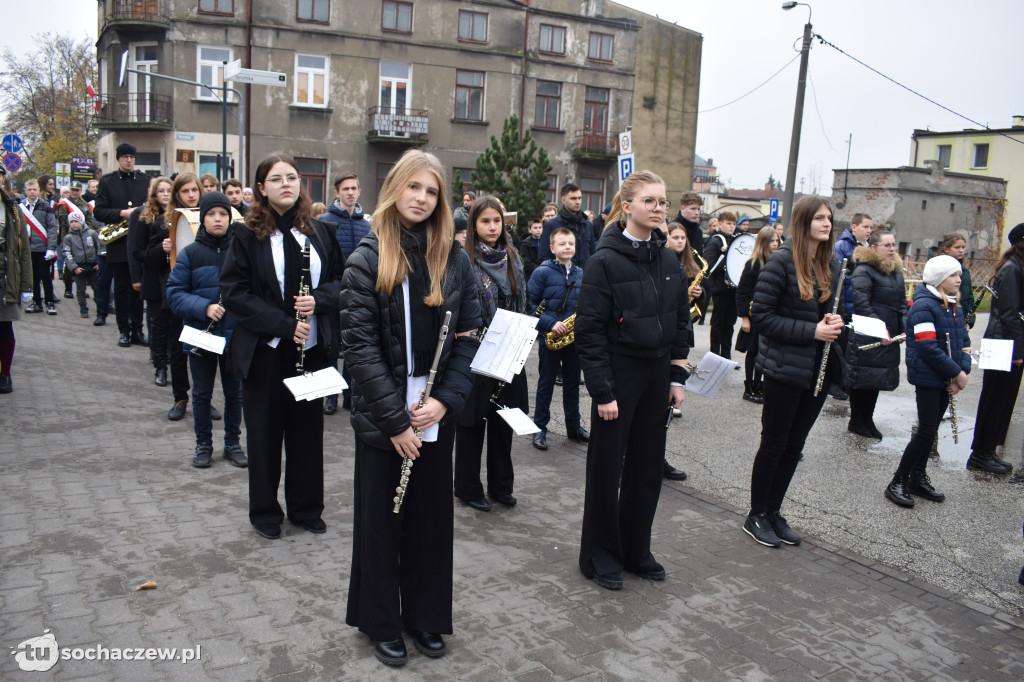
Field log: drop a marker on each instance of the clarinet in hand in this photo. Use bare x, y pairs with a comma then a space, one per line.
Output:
300, 366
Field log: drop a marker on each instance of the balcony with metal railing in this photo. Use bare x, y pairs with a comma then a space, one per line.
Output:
138, 111
595, 145
398, 126
143, 14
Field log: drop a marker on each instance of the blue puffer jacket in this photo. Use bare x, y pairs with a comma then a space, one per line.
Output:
845, 246
194, 283
928, 362
349, 229
549, 283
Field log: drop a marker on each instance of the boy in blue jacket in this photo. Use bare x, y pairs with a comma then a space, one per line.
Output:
193, 293
556, 284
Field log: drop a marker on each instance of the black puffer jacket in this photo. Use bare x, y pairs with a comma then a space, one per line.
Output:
745, 289
879, 292
788, 352
371, 320
633, 301
716, 247
1005, 321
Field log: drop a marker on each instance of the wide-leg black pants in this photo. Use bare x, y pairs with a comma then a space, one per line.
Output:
995, 408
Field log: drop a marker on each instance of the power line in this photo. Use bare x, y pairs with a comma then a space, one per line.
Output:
814, 95
747, 94
911, 90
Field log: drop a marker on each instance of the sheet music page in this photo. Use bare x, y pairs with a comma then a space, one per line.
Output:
313, 385
996, 354
517, 419
504, 348
203, 339
870, 326
712, 371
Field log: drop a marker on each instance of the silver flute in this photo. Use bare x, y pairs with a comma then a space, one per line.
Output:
952, 399
876, 344
403, 482
828, 344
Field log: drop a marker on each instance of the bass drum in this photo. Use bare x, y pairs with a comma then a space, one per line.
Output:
736, 257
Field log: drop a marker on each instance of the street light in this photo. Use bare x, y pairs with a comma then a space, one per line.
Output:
798, 115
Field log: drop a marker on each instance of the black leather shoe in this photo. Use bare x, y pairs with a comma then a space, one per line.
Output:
920, 485
580, 435
160, 378
480, 504
235, 455
99, 321
125, 340
139, 339
391, 653
505, 499
330, 404
428, 643
68, 294
859, 428
540, 440
989, 462
673, 474
609, 581
312, 525
782, 529
655, 572
214, 414
270, 531
202, 458
896, 492
870, 426
177, 412
5, 383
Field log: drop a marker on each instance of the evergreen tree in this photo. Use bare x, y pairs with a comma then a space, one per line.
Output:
515, 170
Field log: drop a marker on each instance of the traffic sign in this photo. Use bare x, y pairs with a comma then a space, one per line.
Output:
626, 142
12, 144
233, 71
62, 168
12, 162
773, 211
625, 166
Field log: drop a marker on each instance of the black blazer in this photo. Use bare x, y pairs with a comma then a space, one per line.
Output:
252, 296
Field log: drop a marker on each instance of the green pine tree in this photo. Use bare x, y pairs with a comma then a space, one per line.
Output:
515, 170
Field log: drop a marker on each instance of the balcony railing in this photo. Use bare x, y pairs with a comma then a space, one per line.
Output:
134, 111
398, 125
595, 145
146, 12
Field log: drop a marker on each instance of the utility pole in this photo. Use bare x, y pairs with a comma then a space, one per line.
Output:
798, 115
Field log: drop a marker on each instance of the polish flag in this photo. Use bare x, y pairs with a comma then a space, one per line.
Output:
92, 93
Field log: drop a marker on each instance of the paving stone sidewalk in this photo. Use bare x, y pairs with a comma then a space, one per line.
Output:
97, 497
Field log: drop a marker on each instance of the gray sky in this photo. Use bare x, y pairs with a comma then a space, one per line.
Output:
965, 55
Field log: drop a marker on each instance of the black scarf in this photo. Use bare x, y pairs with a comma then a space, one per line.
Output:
577, 217
426, 320
292, 258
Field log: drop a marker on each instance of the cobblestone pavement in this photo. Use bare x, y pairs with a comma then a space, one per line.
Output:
97, 497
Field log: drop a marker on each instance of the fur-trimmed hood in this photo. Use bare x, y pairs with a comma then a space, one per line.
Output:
867, 256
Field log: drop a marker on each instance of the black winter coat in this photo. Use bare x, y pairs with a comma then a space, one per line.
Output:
145, 242
1005, 321
373, 338
252, 295
788, 352
633, 302
879, 292
745, 288
117, 191
717, 246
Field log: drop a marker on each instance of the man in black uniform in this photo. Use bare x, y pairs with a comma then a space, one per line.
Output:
723, 295
118, 195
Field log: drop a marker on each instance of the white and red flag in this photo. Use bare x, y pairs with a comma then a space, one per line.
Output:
92, 93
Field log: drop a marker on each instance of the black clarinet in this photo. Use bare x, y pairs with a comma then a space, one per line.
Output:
304, 290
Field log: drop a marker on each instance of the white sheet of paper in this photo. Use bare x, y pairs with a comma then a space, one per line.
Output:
870, 326
203, 339
313, 385
712, 371
505, 347
996, 354
517, 419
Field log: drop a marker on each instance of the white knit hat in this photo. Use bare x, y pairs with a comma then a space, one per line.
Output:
939, 268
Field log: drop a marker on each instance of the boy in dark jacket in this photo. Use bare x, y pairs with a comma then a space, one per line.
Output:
555, 284
193, 293
528, 248
82, 249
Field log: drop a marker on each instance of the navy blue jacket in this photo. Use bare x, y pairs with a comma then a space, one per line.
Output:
845, 246
928, 362
349, 229
550, 282
194, 283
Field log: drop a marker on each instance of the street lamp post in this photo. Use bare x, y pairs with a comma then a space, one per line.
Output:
798, 115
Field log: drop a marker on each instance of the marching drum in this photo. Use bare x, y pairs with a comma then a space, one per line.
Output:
184, 231
736, 257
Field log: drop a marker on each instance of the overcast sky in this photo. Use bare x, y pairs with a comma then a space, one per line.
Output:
965, 55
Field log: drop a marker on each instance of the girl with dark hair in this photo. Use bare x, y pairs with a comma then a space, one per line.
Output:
764, 246
400, 281
955, 244
260, 285
15, 275
500, 283
878, 292
144, 222
999, 389
792, 312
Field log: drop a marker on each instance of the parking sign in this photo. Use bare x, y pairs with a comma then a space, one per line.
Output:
773, 211
625, 166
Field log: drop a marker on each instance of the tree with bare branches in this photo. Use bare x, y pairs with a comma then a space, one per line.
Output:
44, 100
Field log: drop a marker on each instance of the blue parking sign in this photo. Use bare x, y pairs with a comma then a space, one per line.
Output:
625, 166
773, 211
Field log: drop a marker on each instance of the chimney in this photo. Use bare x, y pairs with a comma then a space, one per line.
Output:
1018, 121
595, 8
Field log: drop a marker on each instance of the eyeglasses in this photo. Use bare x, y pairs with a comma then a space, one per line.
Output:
653, 204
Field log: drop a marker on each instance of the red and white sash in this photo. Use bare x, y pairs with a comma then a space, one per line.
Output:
34, 224
68, 205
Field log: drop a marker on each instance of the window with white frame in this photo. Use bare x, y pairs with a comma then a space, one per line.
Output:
312, 74
210, 70
943, 153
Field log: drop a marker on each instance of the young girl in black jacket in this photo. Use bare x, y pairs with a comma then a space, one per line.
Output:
792, 312
398, 284
764, 246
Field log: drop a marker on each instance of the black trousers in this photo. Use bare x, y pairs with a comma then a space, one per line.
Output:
106, 277
931, 405
625, 462
469, 445
723, 319
750, 361
862, 404
41, 275
401, 571
165, 348
86, 278
995, 407
786, 419
272, 417
127, 302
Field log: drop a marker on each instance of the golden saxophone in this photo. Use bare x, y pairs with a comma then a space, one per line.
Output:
694, 308
111, 233
557, 342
